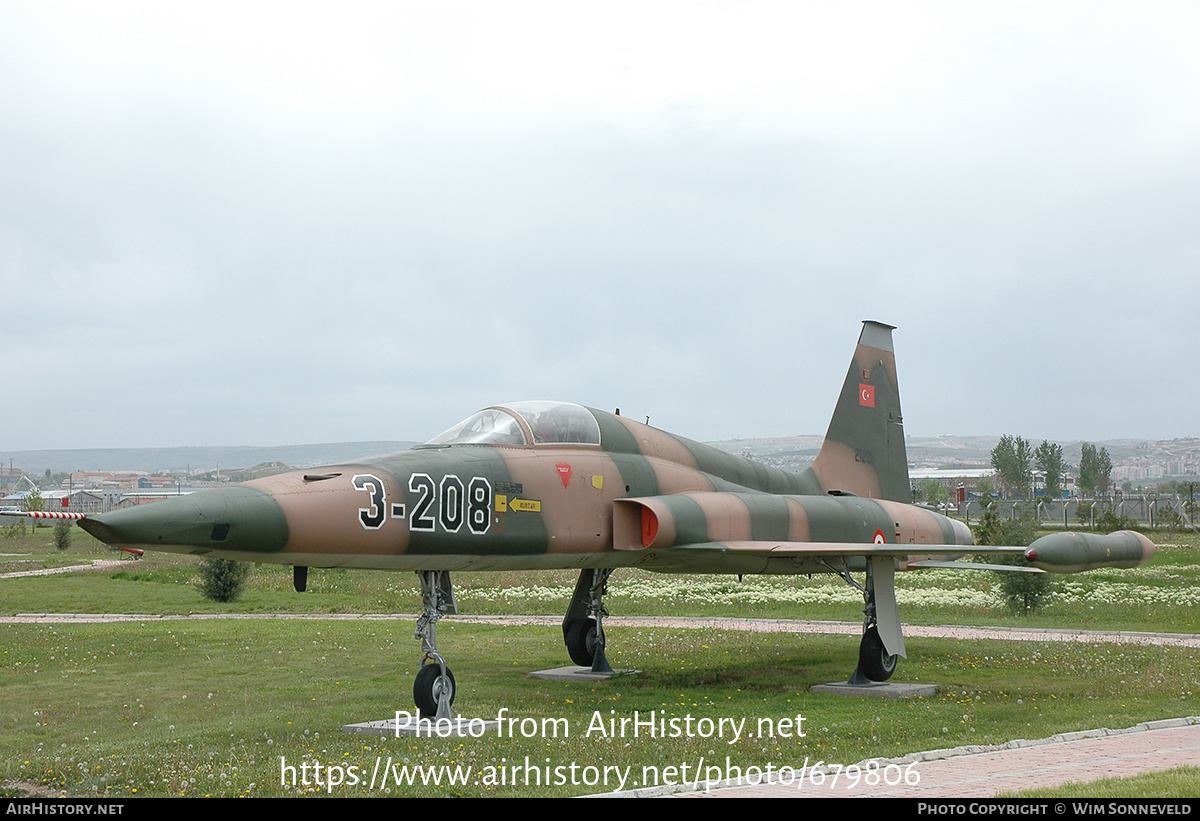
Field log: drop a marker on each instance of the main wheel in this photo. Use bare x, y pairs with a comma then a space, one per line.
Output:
873, 658
428, 688
581, 641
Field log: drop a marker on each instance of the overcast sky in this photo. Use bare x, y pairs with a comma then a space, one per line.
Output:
242, 223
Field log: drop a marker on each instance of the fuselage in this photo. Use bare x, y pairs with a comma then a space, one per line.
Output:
522, 496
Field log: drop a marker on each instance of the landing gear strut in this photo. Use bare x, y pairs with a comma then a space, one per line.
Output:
881, 618
434, 688
583, 626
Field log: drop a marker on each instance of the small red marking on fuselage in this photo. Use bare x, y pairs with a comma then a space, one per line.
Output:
879, 538
564, 473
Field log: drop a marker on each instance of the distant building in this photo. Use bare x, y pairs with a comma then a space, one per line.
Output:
145, 482
144, 498
954, 479
77, 501
1066, 482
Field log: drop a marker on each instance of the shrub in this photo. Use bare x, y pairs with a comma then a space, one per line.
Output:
1022, 592
1169, 518
222, 580
62, 534
1108, 521
1083, 511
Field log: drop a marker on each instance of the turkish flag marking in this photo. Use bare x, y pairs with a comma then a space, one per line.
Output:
866, 395
564, 473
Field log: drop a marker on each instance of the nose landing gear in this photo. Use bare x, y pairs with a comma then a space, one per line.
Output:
434, 688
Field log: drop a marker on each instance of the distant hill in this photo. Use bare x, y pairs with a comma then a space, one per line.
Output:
198, 459
1138, 460
787, 452
1132, 458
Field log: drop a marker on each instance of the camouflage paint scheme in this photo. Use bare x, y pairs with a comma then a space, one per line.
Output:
574, 505
508, 490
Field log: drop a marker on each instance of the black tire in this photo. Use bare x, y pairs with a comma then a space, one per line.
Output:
873, 660
581, 641
428, 687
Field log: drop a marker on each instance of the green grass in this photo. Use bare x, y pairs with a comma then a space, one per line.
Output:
1162, 596
1181, 782
210, 707
23, 547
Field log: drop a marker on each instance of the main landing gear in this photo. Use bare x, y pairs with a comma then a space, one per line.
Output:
881, 618
583, 625
434, 689
874, 661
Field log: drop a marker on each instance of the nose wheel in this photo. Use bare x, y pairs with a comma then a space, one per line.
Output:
434, 688
434, 685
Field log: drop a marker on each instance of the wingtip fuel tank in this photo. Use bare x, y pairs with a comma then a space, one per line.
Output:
1075, 552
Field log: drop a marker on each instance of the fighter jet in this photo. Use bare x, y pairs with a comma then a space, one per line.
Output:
554, 485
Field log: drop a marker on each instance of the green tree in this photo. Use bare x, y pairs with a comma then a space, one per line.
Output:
1095, 469
1103, 472
222, 580
62, 534
933, 491
1108, 520
33, 501
993, 529
1089, 469
1084, 512
1049, 459
1011, 459
1023, 592
1169, 518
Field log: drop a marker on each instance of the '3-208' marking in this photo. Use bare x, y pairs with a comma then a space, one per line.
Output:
455, 504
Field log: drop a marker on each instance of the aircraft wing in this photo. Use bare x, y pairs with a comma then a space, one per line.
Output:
1057, 552
750, 557
817, 549
707, 532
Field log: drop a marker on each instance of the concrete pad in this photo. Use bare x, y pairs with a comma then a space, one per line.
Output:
409, 727
880, 689
578, 674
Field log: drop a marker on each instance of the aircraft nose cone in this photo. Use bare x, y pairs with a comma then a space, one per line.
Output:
228, 519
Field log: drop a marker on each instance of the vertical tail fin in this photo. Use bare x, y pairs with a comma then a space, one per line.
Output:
864, 450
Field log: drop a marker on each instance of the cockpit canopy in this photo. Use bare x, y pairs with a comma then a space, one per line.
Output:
524, 423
